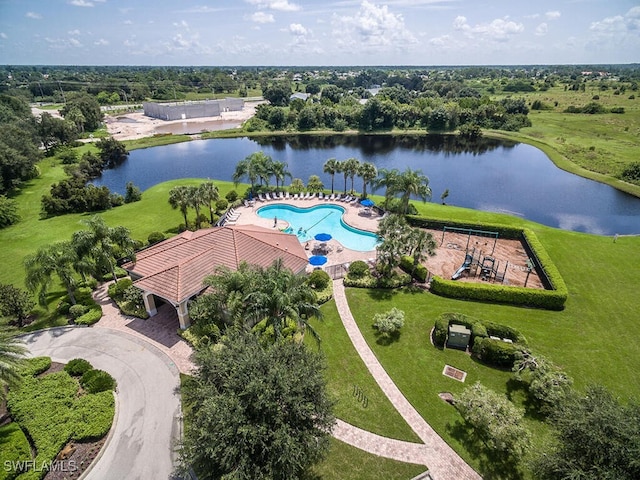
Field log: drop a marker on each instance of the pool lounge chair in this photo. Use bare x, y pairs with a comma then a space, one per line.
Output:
321, 196
295, 196
281, 195
286, 196
261, 197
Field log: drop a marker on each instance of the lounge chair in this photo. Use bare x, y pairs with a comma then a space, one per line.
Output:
332, 197
295, 196
321, 196
281, 195
267, 196
286, 196
261, 197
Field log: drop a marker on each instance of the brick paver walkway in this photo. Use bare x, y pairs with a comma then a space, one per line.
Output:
443, 462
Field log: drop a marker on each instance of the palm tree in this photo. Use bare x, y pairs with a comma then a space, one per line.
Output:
54, 259
368, 172
280, 172
179, 199
351, 168
252, 167
195, 200
340, 168
412, 182
421, 245
208, 194
331, 167
103, 244
12, 352
282, 295
388, 179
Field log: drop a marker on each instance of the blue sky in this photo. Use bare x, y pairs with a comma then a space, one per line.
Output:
312, 32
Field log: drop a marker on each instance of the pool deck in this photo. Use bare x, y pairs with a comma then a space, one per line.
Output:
354, 216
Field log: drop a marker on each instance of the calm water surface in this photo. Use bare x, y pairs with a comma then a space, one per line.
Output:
493, 176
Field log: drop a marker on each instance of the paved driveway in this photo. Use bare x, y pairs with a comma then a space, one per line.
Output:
142, 439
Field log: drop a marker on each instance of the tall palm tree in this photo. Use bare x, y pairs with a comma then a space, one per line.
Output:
12, 352
282, 295
209, 194
195, 201
351, 167
103, 244
412, 182
388, 179
331, 167
251, 167
179, 199
420, 245
53, 259
280, 172
341, 168
368, 172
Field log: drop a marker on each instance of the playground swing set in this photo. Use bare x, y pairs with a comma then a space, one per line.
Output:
475, 262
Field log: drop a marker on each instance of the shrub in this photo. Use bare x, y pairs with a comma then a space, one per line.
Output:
15, 448
116, 290
8, 211
99, 408
91, 317
35, 366
496, 352
94, 381
420, 273
441, 327
221, 205
155, 237
231, 196
77, 367
319, 280
120, 272
389, 323
358, 269
63, 307
77, 311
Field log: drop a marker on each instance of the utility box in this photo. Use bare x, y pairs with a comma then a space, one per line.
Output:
459, 336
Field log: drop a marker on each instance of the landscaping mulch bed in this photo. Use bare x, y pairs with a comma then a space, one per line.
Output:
82, 457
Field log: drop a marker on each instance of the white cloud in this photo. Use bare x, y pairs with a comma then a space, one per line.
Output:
101, 42
128, 22
542, 29
620, 33
554, 15
619, 24
81, 3
3, 35
372, 27
499, 30
74, 32
181, 24
33, 15
297, 29
262, 17
74, 42
280, 5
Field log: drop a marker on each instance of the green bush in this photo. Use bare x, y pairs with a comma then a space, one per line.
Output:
15, 448
441, 327
77, 367
496, 352
367, 281
77, 311
63, 307
100, 409
231, 196
420, 273
120, 272
358, 269
116, 290
35, 366
504, 331
388, 323
221, 205
91, 317
319, 279
155, 237
94, 381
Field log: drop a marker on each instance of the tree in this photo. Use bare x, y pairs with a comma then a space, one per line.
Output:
89, 108
597, 438
8, 211
495, 420
112, 152
388, 324
350, 168
15, 303
256, 410
331, 167
53, 259
368, 172
314, 184
12, 352
133, 193
280, 172
195, 200
444, 196
103, 245
208, 195
179, 199
387, 179
251, 167
296, 186
411, 182
278, 94
420, 245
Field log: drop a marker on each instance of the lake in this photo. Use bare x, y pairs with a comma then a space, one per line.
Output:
488, 175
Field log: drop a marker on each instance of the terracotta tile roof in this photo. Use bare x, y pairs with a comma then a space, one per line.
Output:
175, 268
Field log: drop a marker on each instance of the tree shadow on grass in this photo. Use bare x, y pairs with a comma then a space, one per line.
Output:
493, 465
517, 389
386, 340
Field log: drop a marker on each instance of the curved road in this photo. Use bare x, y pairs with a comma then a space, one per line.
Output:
141, 443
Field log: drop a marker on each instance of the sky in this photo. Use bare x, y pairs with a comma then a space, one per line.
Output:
318, 32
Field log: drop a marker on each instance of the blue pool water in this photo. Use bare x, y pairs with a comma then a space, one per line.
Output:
308, 222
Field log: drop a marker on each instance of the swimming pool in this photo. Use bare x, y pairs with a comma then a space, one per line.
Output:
308, 222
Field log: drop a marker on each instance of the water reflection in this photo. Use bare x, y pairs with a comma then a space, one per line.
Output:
489, 175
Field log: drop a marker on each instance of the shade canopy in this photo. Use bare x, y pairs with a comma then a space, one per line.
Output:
318, 260
367, 203
323, 237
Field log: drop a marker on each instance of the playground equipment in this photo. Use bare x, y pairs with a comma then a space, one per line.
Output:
489, 267
469, 232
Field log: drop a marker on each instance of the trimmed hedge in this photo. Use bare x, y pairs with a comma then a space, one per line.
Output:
100, 409
420, 273
491, 352
15, 448
95, 381
91, 317
369, 281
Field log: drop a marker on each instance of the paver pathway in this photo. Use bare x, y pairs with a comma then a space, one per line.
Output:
443, 462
